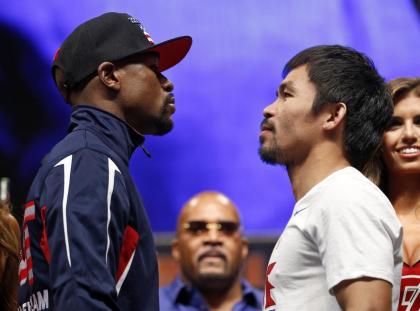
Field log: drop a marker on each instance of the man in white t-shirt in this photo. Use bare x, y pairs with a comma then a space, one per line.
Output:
341, 248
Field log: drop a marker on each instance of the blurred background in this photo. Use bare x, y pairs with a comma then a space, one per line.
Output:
221, 88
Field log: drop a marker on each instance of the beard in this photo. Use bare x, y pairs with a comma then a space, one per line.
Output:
216, 281
163, 124
213, 276
272, 153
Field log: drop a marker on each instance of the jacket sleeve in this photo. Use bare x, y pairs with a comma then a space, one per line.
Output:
87, 208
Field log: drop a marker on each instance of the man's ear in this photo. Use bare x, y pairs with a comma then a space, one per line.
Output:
109, 76
335, 114
175, 250
245, 248
61, 85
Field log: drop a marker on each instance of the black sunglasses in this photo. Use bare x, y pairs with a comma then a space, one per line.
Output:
199, 227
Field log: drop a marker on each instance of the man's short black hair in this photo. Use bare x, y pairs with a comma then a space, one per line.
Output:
342, 74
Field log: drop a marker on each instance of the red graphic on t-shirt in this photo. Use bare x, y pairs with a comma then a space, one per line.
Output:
410, 288
269, 301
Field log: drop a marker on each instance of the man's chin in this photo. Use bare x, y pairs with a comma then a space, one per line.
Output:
212, 279
268, 156
164, 127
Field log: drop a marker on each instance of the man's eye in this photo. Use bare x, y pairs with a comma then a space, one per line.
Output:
283, 94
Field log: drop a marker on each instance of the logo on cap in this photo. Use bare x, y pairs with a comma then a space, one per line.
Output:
136, 21
148, 38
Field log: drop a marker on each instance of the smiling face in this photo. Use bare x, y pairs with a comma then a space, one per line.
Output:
401, 142
209, 245
147, 101
290, 127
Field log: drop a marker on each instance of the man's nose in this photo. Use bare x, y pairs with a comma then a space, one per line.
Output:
213, 236
167, 84
269, 110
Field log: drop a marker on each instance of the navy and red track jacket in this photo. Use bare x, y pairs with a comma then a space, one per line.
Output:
87, 242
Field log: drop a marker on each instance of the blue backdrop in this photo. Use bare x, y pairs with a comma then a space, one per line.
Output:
230, 75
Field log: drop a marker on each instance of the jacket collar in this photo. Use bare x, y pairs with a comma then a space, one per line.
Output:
115, 133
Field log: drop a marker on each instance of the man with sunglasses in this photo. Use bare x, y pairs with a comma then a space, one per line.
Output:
87, 243
210, 249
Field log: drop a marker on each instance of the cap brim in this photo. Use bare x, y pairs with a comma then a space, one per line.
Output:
172, 51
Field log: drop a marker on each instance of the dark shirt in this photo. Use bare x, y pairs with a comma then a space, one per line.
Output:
178, 296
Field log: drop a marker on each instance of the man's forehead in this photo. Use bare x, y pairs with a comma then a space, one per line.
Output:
210, 210
213, 198
296, 74
296, 78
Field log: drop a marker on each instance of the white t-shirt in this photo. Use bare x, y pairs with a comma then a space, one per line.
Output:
343, 228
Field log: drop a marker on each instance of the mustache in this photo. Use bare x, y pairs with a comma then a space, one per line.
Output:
267, 125
170, 99
214, 252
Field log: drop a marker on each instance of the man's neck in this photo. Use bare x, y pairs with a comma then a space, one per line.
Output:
223, 299
323, 160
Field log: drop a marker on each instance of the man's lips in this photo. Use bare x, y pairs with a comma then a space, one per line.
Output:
170, 99
266, 126
212, 254
170, 102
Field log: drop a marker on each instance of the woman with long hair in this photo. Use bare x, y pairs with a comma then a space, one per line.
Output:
9, 261
400, 181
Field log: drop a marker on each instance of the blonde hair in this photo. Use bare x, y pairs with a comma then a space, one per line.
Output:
400, 88
9, 248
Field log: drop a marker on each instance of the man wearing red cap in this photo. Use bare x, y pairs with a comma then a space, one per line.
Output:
87, 242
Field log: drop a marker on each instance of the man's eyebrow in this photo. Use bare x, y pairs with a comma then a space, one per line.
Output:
284, 85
